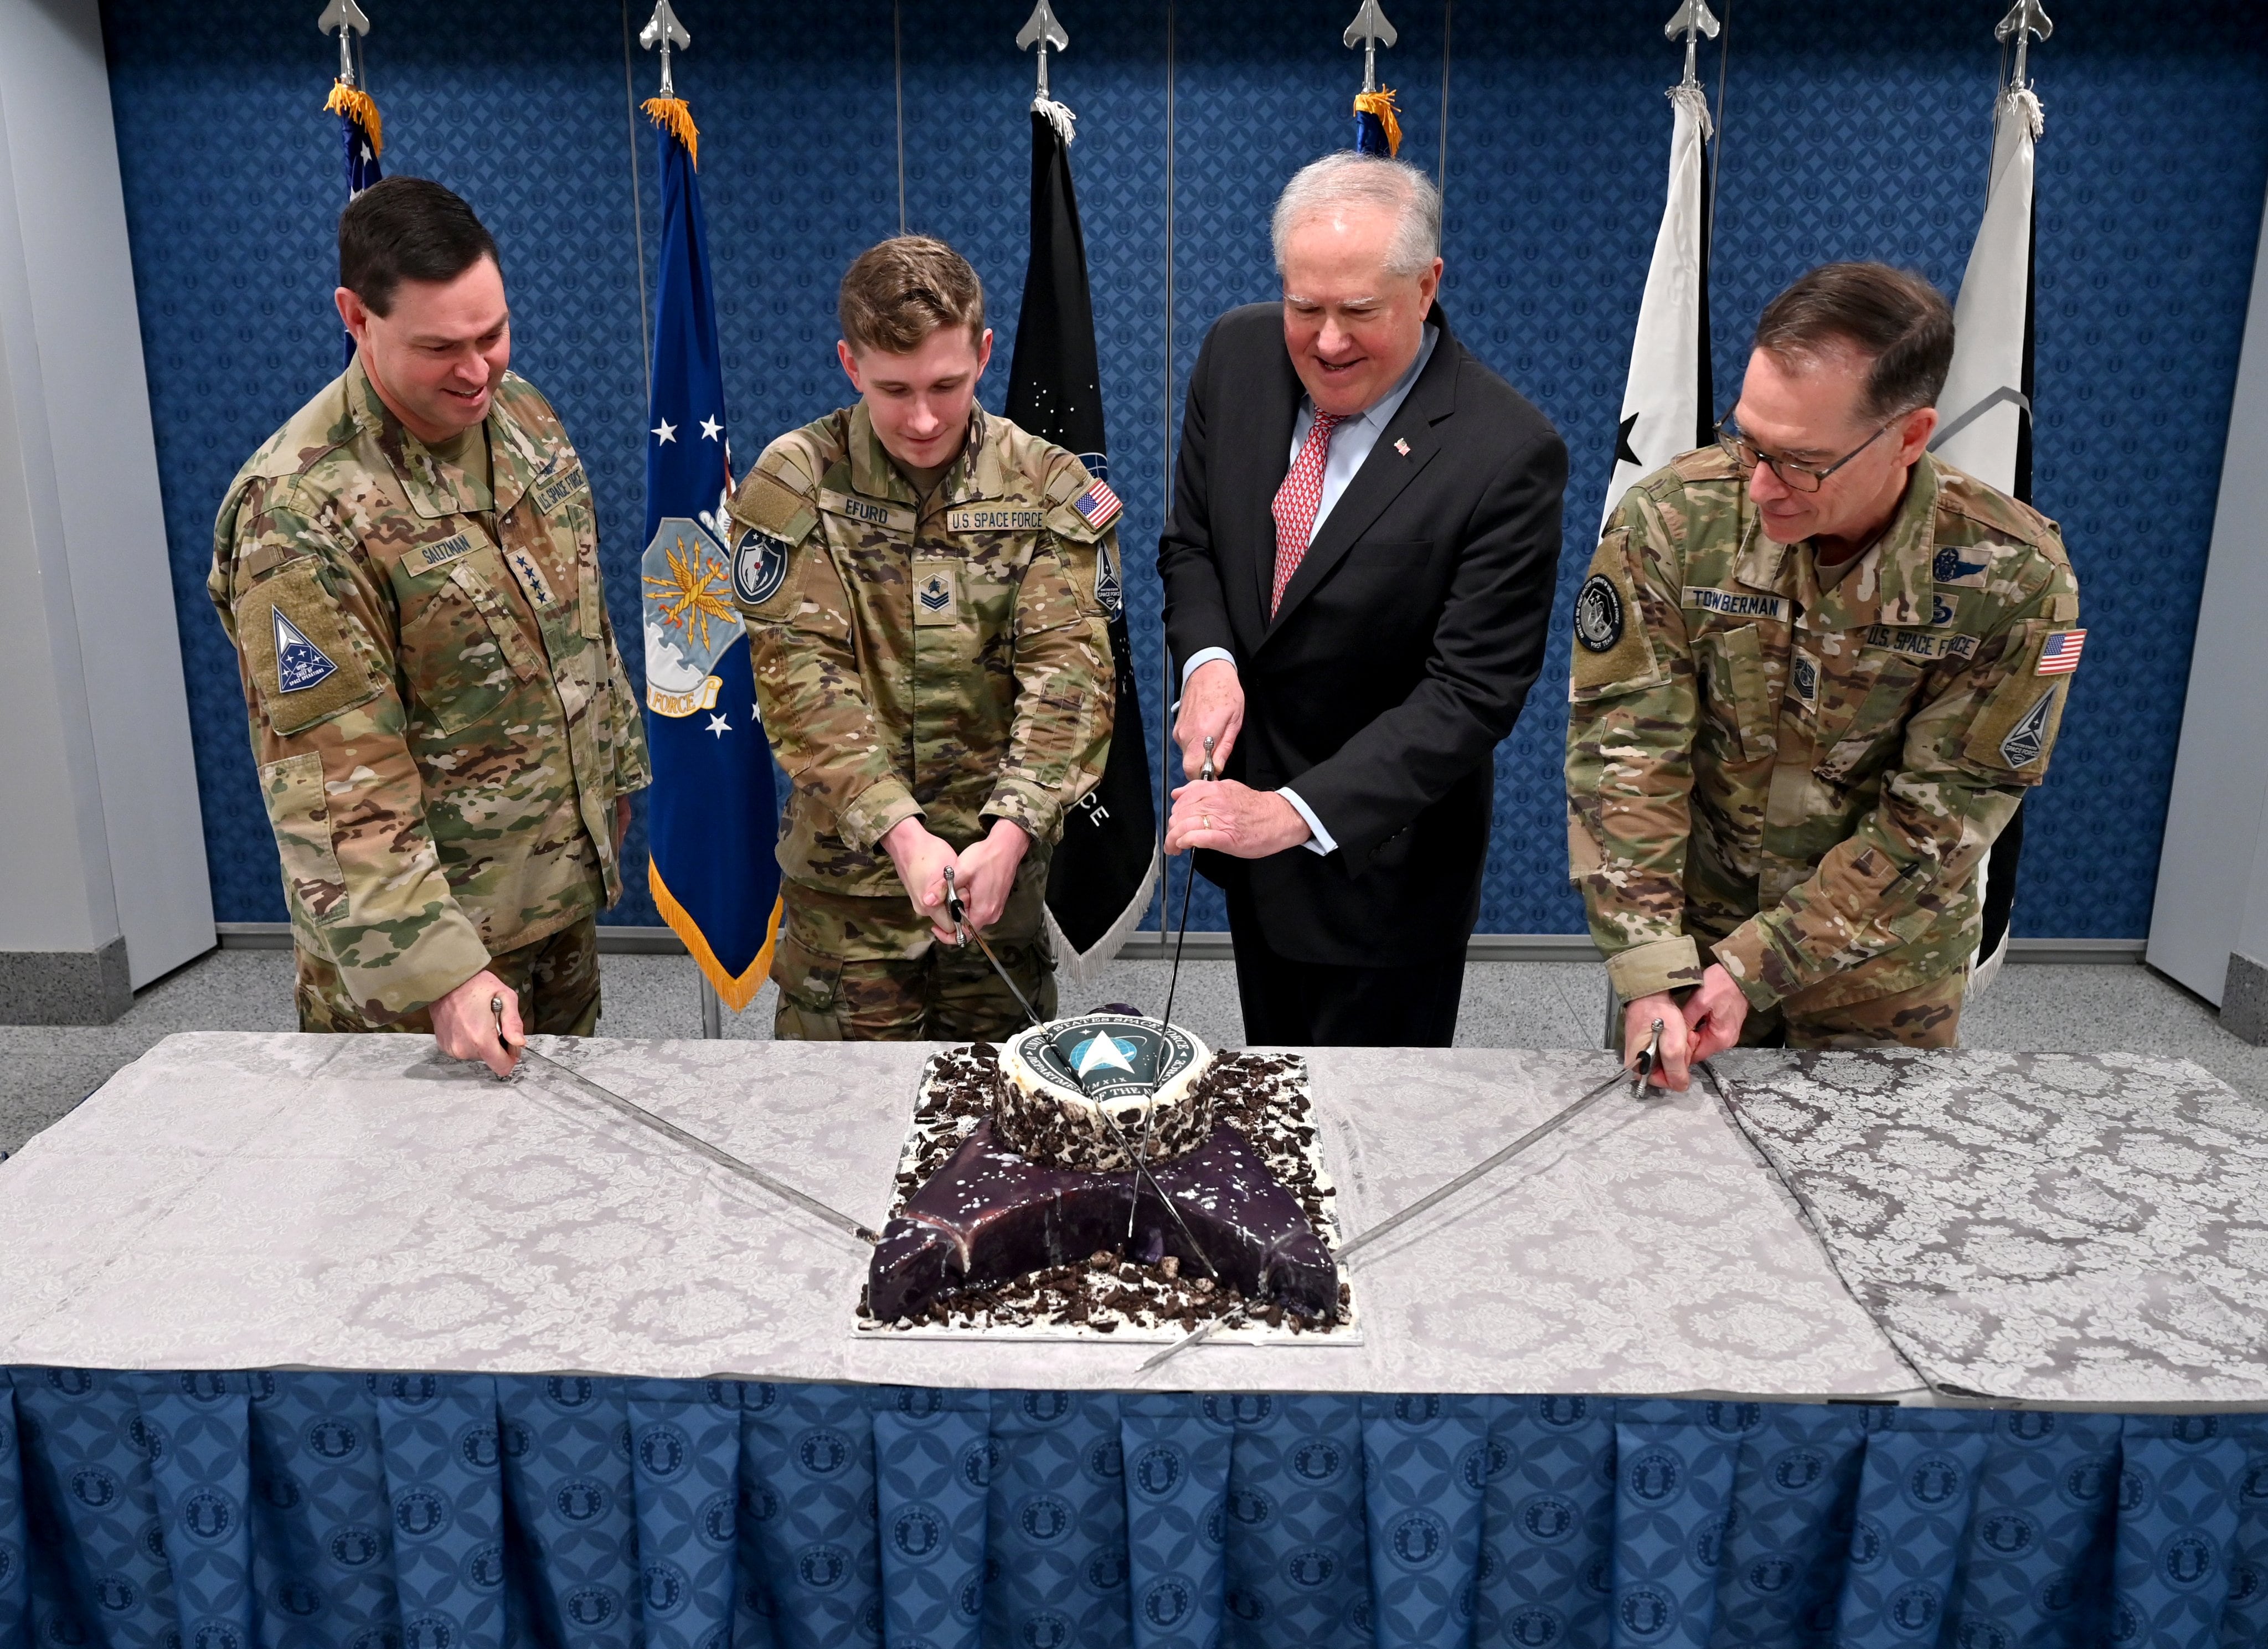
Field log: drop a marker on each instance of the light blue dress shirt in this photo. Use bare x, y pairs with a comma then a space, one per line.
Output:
1351, 443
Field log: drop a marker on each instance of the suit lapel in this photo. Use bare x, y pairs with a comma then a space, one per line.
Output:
1383, 475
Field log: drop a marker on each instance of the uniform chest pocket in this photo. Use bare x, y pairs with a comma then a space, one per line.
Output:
462, 653
1733, 667
1884, 688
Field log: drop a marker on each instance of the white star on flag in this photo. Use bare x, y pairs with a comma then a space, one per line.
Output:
710, 430
667, 433
719, 725
1099, 1052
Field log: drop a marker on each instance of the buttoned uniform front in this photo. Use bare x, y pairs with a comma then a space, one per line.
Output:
945, 657
1799, 778
440, 714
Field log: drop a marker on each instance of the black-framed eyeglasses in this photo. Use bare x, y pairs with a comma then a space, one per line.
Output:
1795, 477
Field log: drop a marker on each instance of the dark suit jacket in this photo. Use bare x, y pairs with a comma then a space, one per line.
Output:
1405, 644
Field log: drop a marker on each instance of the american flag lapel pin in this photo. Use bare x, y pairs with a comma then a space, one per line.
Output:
1401, 446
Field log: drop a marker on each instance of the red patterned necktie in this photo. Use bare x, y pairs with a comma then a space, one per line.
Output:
1297, 500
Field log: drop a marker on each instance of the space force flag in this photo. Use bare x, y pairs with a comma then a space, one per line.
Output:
1107, 864
1667, 403
711, 816
1986, 407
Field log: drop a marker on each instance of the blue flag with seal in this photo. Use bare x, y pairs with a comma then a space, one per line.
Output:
711, 816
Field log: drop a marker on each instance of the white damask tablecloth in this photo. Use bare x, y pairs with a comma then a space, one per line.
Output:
234, 1201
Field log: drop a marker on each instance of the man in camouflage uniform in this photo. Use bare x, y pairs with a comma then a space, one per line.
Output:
446, 741
925, 589
1815, 669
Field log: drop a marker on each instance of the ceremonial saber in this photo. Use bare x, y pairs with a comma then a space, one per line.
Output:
963, 928
694, 1142
1636, 1076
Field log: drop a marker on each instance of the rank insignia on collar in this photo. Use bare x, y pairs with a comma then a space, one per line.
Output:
1098, 506
299, 663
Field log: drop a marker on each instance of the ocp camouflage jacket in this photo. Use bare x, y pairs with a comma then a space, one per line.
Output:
438, 709
950, 660
1803, 780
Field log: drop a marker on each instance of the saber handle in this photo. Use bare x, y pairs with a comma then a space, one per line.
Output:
963, 930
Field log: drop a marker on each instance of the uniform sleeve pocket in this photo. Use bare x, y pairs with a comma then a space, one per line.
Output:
300, 810
2016, 730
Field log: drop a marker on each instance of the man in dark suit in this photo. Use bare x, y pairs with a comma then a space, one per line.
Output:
1358, 570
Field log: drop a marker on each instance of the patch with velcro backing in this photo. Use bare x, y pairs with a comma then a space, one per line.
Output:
773, 507
2016, 728
302, 666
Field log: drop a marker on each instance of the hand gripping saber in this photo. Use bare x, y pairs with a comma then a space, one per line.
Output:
700, 1147
1636, 1076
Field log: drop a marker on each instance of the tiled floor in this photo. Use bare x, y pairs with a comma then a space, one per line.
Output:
45, 1070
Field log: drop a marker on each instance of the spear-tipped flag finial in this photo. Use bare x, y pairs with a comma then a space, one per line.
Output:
664, 30
2025, 19
1371, 31
1042, 30
344, 16
1694, 19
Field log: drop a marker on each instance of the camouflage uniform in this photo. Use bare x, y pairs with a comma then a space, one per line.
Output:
948, 659
1800, 783
440, 714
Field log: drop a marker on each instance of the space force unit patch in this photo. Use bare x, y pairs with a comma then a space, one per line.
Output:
759, 566
1598, 614
299, 663
2022, 746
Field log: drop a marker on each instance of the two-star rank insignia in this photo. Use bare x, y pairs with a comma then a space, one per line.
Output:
299, 663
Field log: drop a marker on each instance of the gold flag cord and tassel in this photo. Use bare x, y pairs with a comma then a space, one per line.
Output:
1380, 106
358, 107
672, 113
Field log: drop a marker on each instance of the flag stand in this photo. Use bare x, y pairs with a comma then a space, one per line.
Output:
713, 1010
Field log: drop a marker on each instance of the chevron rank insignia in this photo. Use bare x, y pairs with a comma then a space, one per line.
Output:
299, 663
936, 593
1098, 506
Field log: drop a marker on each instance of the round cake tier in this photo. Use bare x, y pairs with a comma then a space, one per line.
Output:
1086, 1092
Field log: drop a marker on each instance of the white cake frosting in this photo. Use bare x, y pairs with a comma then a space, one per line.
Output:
1087, 1092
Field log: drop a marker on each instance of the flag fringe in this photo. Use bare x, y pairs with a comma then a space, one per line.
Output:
673, 113
1681, 96
2026, 102
1059, 116
1083, 969
360, 108
1380, 104
735, 991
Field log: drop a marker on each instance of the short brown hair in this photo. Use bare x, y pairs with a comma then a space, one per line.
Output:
900, 291
1894, 317
408, 229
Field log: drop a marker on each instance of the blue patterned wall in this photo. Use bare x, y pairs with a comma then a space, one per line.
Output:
1849, 132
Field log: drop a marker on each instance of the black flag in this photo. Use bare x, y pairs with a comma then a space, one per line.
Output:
1106, 862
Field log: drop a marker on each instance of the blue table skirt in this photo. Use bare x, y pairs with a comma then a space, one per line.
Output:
419, 1511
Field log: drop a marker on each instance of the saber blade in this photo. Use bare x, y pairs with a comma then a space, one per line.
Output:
1636, 1075
587, 1089
962, 927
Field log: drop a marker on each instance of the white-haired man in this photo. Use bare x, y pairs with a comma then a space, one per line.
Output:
1358, 573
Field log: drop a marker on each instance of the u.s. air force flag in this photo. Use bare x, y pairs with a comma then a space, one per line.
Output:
1986, 406
1665, 403
711, 815
1100, 884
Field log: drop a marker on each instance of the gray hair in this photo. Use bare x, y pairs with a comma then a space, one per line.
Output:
1348, 179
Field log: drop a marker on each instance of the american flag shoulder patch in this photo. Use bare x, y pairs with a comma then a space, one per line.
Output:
1098, 506
2060, 653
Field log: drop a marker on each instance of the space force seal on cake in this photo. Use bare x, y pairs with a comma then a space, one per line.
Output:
1087, 1092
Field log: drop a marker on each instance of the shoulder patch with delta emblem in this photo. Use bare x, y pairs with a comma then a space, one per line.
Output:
1098, 506
2021, 747
1110, 595
299, 663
